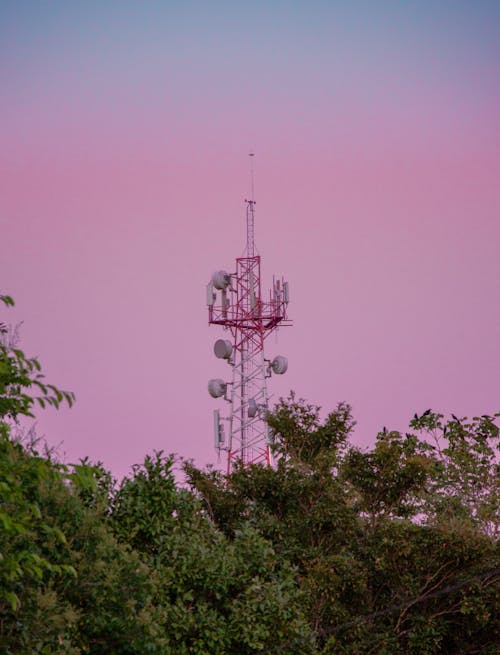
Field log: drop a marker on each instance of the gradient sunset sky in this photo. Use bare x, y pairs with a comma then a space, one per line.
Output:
125, 129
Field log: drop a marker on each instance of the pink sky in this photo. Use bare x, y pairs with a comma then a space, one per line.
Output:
124, 135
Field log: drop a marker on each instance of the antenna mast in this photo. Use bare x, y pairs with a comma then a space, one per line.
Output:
236, 304
250, 249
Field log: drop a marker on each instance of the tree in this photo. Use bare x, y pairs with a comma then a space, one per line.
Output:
214, 594
299, 435
465, 477
333, 550
23, 564
20, 374
66, 585
299, 506
389, 480
386, 562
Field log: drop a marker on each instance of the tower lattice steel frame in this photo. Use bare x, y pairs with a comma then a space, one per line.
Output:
240, 308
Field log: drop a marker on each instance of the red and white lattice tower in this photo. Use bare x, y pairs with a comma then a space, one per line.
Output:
235, 302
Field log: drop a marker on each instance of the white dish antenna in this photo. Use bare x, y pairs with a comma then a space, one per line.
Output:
223, 349
221, 280
279, 365
217, 388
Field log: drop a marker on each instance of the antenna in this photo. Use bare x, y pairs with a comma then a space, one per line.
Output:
251, 155
250, 248
236, 304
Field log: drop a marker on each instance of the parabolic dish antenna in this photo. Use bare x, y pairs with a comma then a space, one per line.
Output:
223, 349
279, 364
217, 388
221, 280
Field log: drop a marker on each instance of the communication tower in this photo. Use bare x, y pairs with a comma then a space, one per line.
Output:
235, 302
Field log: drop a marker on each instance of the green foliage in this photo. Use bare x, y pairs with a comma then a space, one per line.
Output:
334, 550
300, 436
68, 585
390, 479
145, 505
18, 374
464, 482
31, 547
94, 485
33, 554
213, 594
224, 596
374, 580
7, 300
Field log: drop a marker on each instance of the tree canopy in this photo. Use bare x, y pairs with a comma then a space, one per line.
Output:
334, 549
